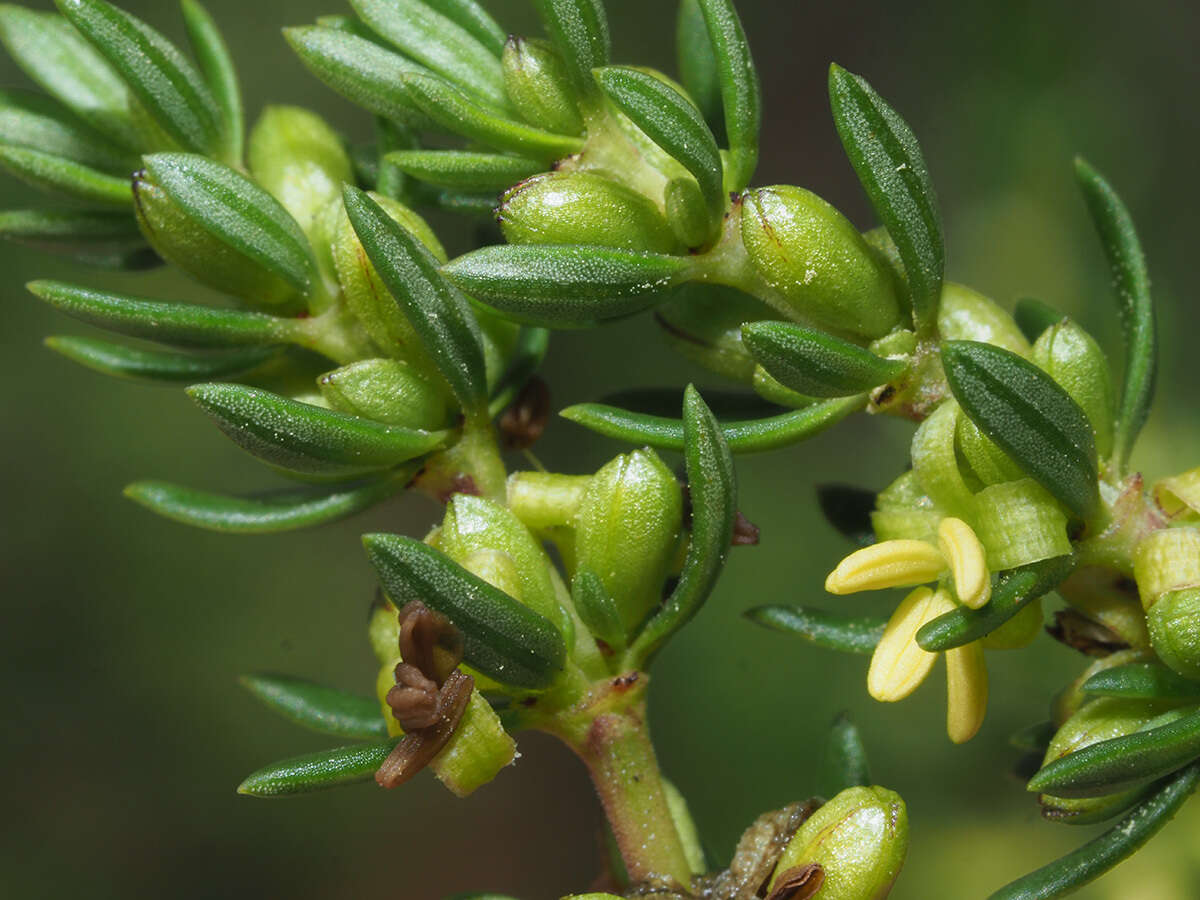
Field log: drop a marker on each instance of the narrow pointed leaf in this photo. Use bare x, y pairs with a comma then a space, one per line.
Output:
741, 95
170, 323
566, 286
665, 401
1134, 302
697, 64
1104, 852
597, 609
1033, 317
465, 170
319, 708
885, 155
753, 436
216, 65
1015, 590
167, 85
848, 509
831, 631
436, 309
36, 122
265, 514
845, 762
475, 20
65, 176
318, 771
1149, 681
302, 438
107, 239
171, 366
579, 30
815, 363
501, 638
1030, 417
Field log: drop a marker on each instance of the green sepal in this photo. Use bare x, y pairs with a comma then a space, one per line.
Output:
318, 708
1071, 356
306, 439
831, 631
697, 64
65, 176
385, 390
36, 122
318, 771
473, 19
844, 764
815, 363
165, 82
579, 30
1134, 303
751, 436
465, 170
1033, 317
566, 286
1025, 412
686, 211
539, 87
502, 638
597, 609
158, 365
98, 238
265, 513
848, 509
1149, 681
741, 95
216, 65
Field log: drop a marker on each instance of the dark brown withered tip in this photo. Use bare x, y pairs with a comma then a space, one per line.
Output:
523, 422
1088, 636
745, 532
799, 883
429, 641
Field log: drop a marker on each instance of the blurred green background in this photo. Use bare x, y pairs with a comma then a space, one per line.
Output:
123, 635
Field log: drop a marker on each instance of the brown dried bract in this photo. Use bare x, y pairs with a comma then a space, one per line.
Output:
417, 749
758, 853
429, 641
523, 422
1088, 636
798, 883
745, 532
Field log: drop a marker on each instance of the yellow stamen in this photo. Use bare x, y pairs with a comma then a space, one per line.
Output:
899, 665
901, 563
966, 691
968, 564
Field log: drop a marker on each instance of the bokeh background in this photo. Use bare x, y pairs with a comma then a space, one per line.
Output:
122, 635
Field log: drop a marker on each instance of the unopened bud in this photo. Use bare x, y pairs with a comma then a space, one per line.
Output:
966, 315
538, 86
1073, 359
1174, 625
385, 390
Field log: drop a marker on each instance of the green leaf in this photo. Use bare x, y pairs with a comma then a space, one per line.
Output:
597, 609
238, 213
65, 176
36, 122
1136, 306
712, 485
502, 639
107, 239
267, 513
423, 34
465, 170
167, 85
473, 19
1015, 590
815, 363
318, 708
579, 30
741, 95
1033, 317
885, 155
753, 436
170, 323
1104, 852
1030, 417
832, 631
216, 65
299, 437
158, 365
437, 310
845, 762
1149, 681
566, 286
848, 509
318, 771
697, 63
674, 123
665, 401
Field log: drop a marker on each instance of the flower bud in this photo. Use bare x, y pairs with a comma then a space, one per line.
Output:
704, 324
1179, 496
383, 630
385, 390
538, 86
627, 531
808, 252
859, 838
1174, 625
965, 315
1166, 560
582, 208
1073, 358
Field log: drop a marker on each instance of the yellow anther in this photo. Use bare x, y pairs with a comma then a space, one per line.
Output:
966, 691
899, 665
968, 563
890, 564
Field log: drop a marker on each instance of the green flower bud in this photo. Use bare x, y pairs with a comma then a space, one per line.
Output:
546, 499
385, 390
1174, 624
859, 838
1073, 358
1166, 560
991, 464
808, 252
704, 324
686, 211
966, 315
582, 208
627, 531
383, 630
538, 86
1019, 631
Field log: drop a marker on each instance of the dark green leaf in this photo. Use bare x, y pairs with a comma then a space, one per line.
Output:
815, 363
65, 176
170, 323
107, 239
1150, 681
1035, 738
474, 19
501, 638
885, 155
1102, 853
697, 64
1033, 317
848, 509
302, 438
479, 206
753, 436
1015, 590
167, 85
579, 30
845, 762
1135, 304
740, 92
216, 64
318, 771
566, 286
526, 359
465, 170
318, 708
265, 514
158, 365
437, 310
832, 631
597, 609
1030, 417
35, 122
665, 401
